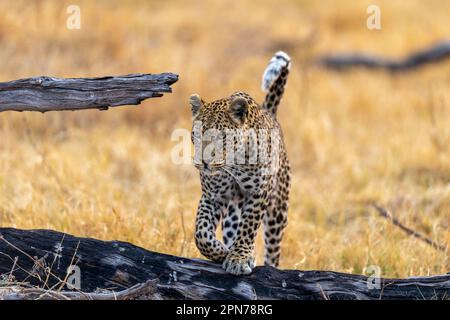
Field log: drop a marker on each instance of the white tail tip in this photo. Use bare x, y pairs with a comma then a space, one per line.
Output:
279, 61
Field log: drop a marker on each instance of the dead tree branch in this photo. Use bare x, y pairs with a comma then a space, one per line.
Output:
386, 214
53, 94
417, 59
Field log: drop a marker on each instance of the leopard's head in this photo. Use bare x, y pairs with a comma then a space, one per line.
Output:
217, 123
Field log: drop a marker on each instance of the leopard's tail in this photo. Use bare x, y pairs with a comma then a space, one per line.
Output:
274, 80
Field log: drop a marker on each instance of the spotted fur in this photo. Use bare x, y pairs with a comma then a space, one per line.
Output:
242, 196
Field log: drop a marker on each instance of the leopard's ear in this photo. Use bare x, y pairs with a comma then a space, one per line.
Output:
196, 103
238, 109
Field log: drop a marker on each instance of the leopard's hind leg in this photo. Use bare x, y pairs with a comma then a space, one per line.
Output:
275, 221
275, 218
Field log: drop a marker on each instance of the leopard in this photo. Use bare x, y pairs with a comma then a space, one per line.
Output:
241, 195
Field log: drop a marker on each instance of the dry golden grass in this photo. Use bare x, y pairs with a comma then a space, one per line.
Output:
352, 137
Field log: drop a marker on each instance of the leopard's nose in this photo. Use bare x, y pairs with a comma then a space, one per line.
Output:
209, 166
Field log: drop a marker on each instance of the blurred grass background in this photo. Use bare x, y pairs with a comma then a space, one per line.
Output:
352, 137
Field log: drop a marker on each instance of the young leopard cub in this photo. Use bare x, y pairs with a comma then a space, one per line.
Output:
242, 192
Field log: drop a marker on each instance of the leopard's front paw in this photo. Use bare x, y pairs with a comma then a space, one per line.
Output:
239, 261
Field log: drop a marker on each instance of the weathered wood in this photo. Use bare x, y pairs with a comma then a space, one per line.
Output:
343, 61
53, 94
41, 258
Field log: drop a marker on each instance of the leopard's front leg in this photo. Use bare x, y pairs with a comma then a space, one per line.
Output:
205, 231
240, 259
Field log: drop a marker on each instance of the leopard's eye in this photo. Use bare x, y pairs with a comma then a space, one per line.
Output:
195, 136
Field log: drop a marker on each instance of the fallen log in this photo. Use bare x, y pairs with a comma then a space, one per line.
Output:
37, 262
417, 59
54, 94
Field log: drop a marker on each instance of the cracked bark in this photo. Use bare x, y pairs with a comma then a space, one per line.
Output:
40, 258
54, 94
